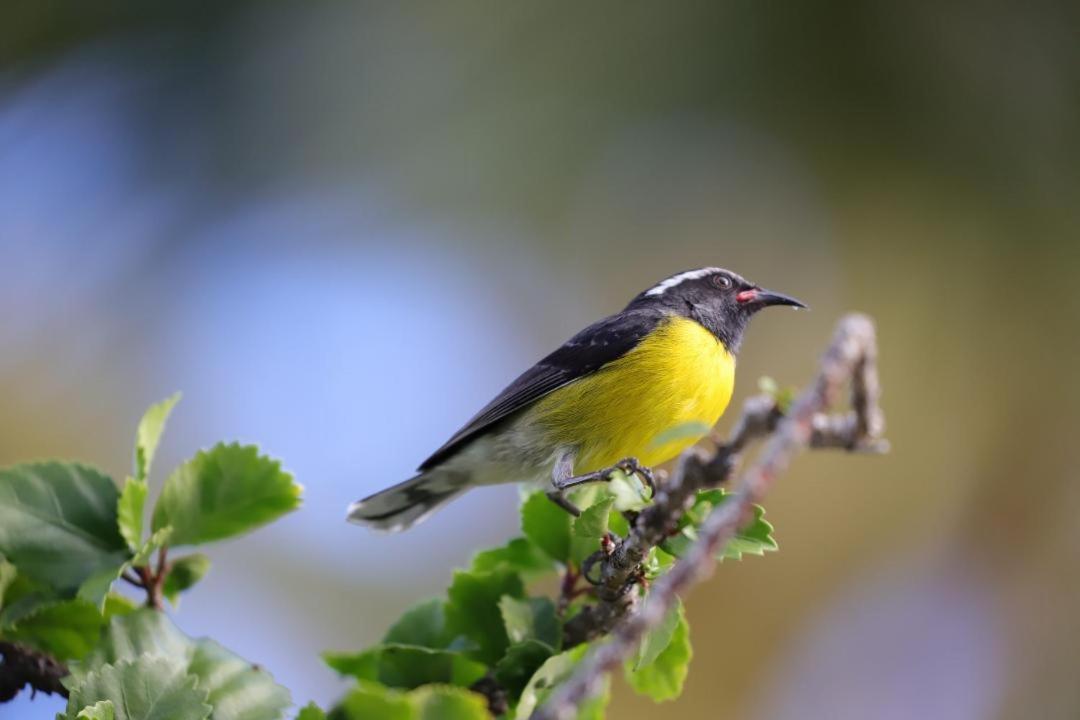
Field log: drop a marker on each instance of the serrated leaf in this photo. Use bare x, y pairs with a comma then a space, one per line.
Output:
589, 528
658, 638
225, 491
311, 711
472, 610
127, 637
448, 703
184, 572
237, 690
530, 619
520, 554
547, 526
148, 434
67, 630
148, 688
103, 710
58, 522
554, 671
423, 625
520, 662
663, 678
407, 666
129, 511
755, 538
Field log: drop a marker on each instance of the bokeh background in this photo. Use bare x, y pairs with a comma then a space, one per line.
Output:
340, 228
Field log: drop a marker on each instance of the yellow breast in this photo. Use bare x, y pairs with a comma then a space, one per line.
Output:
652, 403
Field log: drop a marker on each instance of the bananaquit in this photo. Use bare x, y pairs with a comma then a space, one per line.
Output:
608, 398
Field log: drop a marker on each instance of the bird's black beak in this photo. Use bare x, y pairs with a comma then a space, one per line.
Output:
758, 298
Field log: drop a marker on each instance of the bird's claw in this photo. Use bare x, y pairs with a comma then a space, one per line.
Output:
631, 466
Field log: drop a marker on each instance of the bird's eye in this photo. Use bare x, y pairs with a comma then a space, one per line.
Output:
722, 281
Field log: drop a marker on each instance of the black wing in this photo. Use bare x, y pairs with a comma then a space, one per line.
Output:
585, 353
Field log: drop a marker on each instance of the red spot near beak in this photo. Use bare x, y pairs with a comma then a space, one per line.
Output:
746, 296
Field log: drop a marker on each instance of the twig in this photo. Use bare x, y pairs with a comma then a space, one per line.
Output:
21, 666
851, 356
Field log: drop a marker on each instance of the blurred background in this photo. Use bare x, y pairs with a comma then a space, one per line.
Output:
340, 228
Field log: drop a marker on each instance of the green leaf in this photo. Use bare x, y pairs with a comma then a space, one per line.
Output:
58, 522
755, 538
519, 664
96, 588
183, 573
554, 671
629, 491
117, 604
423, 625
407, 666
149, 432
663, 678
237, 690
311, 711
103, 710
222, 492
589, 528
372, 701
23, 598
7, 577
129, 511
657, 562
530, 619
127, 637
148, 688
67, 630
657, 639
448, 703
519, 554
473, 610
547, 525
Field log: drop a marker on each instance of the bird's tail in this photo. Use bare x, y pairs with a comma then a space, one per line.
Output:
405, 504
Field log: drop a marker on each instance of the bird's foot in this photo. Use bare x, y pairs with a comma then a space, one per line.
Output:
628, 466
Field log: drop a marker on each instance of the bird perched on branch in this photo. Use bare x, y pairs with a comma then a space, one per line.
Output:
626, 393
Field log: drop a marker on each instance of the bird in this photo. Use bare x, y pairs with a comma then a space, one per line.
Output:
628, 392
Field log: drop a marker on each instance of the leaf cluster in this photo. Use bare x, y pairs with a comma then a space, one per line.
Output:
497, 633
69, 533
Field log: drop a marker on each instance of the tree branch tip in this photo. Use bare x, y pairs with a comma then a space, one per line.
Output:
848, 360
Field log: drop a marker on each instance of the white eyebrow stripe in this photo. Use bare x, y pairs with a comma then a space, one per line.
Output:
664, 285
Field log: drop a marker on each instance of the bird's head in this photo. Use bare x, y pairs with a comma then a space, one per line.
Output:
722, 301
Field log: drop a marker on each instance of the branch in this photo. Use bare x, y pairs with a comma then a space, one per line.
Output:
21, 666
851, 356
